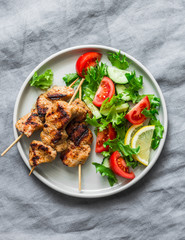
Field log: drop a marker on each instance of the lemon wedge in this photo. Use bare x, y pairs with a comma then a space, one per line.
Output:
143, 138
130, 133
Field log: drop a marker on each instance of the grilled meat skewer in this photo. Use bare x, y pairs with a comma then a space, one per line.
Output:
79, 141
79, 138
54, 135
45, 100
34, 120
56, 120
29, 123
40, 153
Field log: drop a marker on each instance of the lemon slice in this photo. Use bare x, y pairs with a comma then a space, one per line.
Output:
143, 138
130, 133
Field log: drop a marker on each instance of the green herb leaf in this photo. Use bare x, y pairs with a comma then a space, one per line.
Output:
104, 171
69, 78
159, 129
154, 101
43, 81
114, 101
127, 152
118, 60
93, 78
150, 113
121, 129
133, 86
114, 117
135, 83
92, 121
105, 154
158, 133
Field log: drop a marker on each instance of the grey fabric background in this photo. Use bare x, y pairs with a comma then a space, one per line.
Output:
151, 31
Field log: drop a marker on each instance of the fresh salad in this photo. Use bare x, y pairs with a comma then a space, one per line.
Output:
125, 121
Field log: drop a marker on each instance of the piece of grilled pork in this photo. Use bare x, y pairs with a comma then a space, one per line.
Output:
79, 140
56, 120
45, 100
29, 123
33, 120
40, 153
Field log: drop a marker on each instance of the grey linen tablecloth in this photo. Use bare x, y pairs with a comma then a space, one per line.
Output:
151, 31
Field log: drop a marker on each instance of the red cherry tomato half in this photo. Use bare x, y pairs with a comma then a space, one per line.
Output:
135, 116
105, 90
85, 61
108, 133
118, 166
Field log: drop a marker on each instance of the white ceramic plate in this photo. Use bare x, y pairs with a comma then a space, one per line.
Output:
58, 176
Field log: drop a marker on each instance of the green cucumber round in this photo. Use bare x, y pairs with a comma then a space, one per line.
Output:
117, 75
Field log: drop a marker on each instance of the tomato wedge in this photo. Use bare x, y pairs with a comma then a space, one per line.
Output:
108, 133
85, 61
135, 116
105, 90
118, 166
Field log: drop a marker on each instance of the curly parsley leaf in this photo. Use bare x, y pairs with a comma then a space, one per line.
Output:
118, 60
43, 81
104, 171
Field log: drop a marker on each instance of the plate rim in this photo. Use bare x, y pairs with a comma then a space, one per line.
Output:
100, 194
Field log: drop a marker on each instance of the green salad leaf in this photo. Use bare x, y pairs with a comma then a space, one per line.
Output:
101, 124
71, 77
126, 150
104, 171
158, 133
114, 101
93, 78
151, 113
105, 154
92, 121
114, 117
135, 83
133, 86
43, 81
118, 60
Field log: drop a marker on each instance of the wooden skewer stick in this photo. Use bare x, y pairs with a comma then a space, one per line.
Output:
71, 100
32, 169
80, 165
73, 82
8, 148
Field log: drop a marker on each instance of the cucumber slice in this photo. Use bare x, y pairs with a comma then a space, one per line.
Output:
93, 108
120, 108
117, 75
120, 89
105, 162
